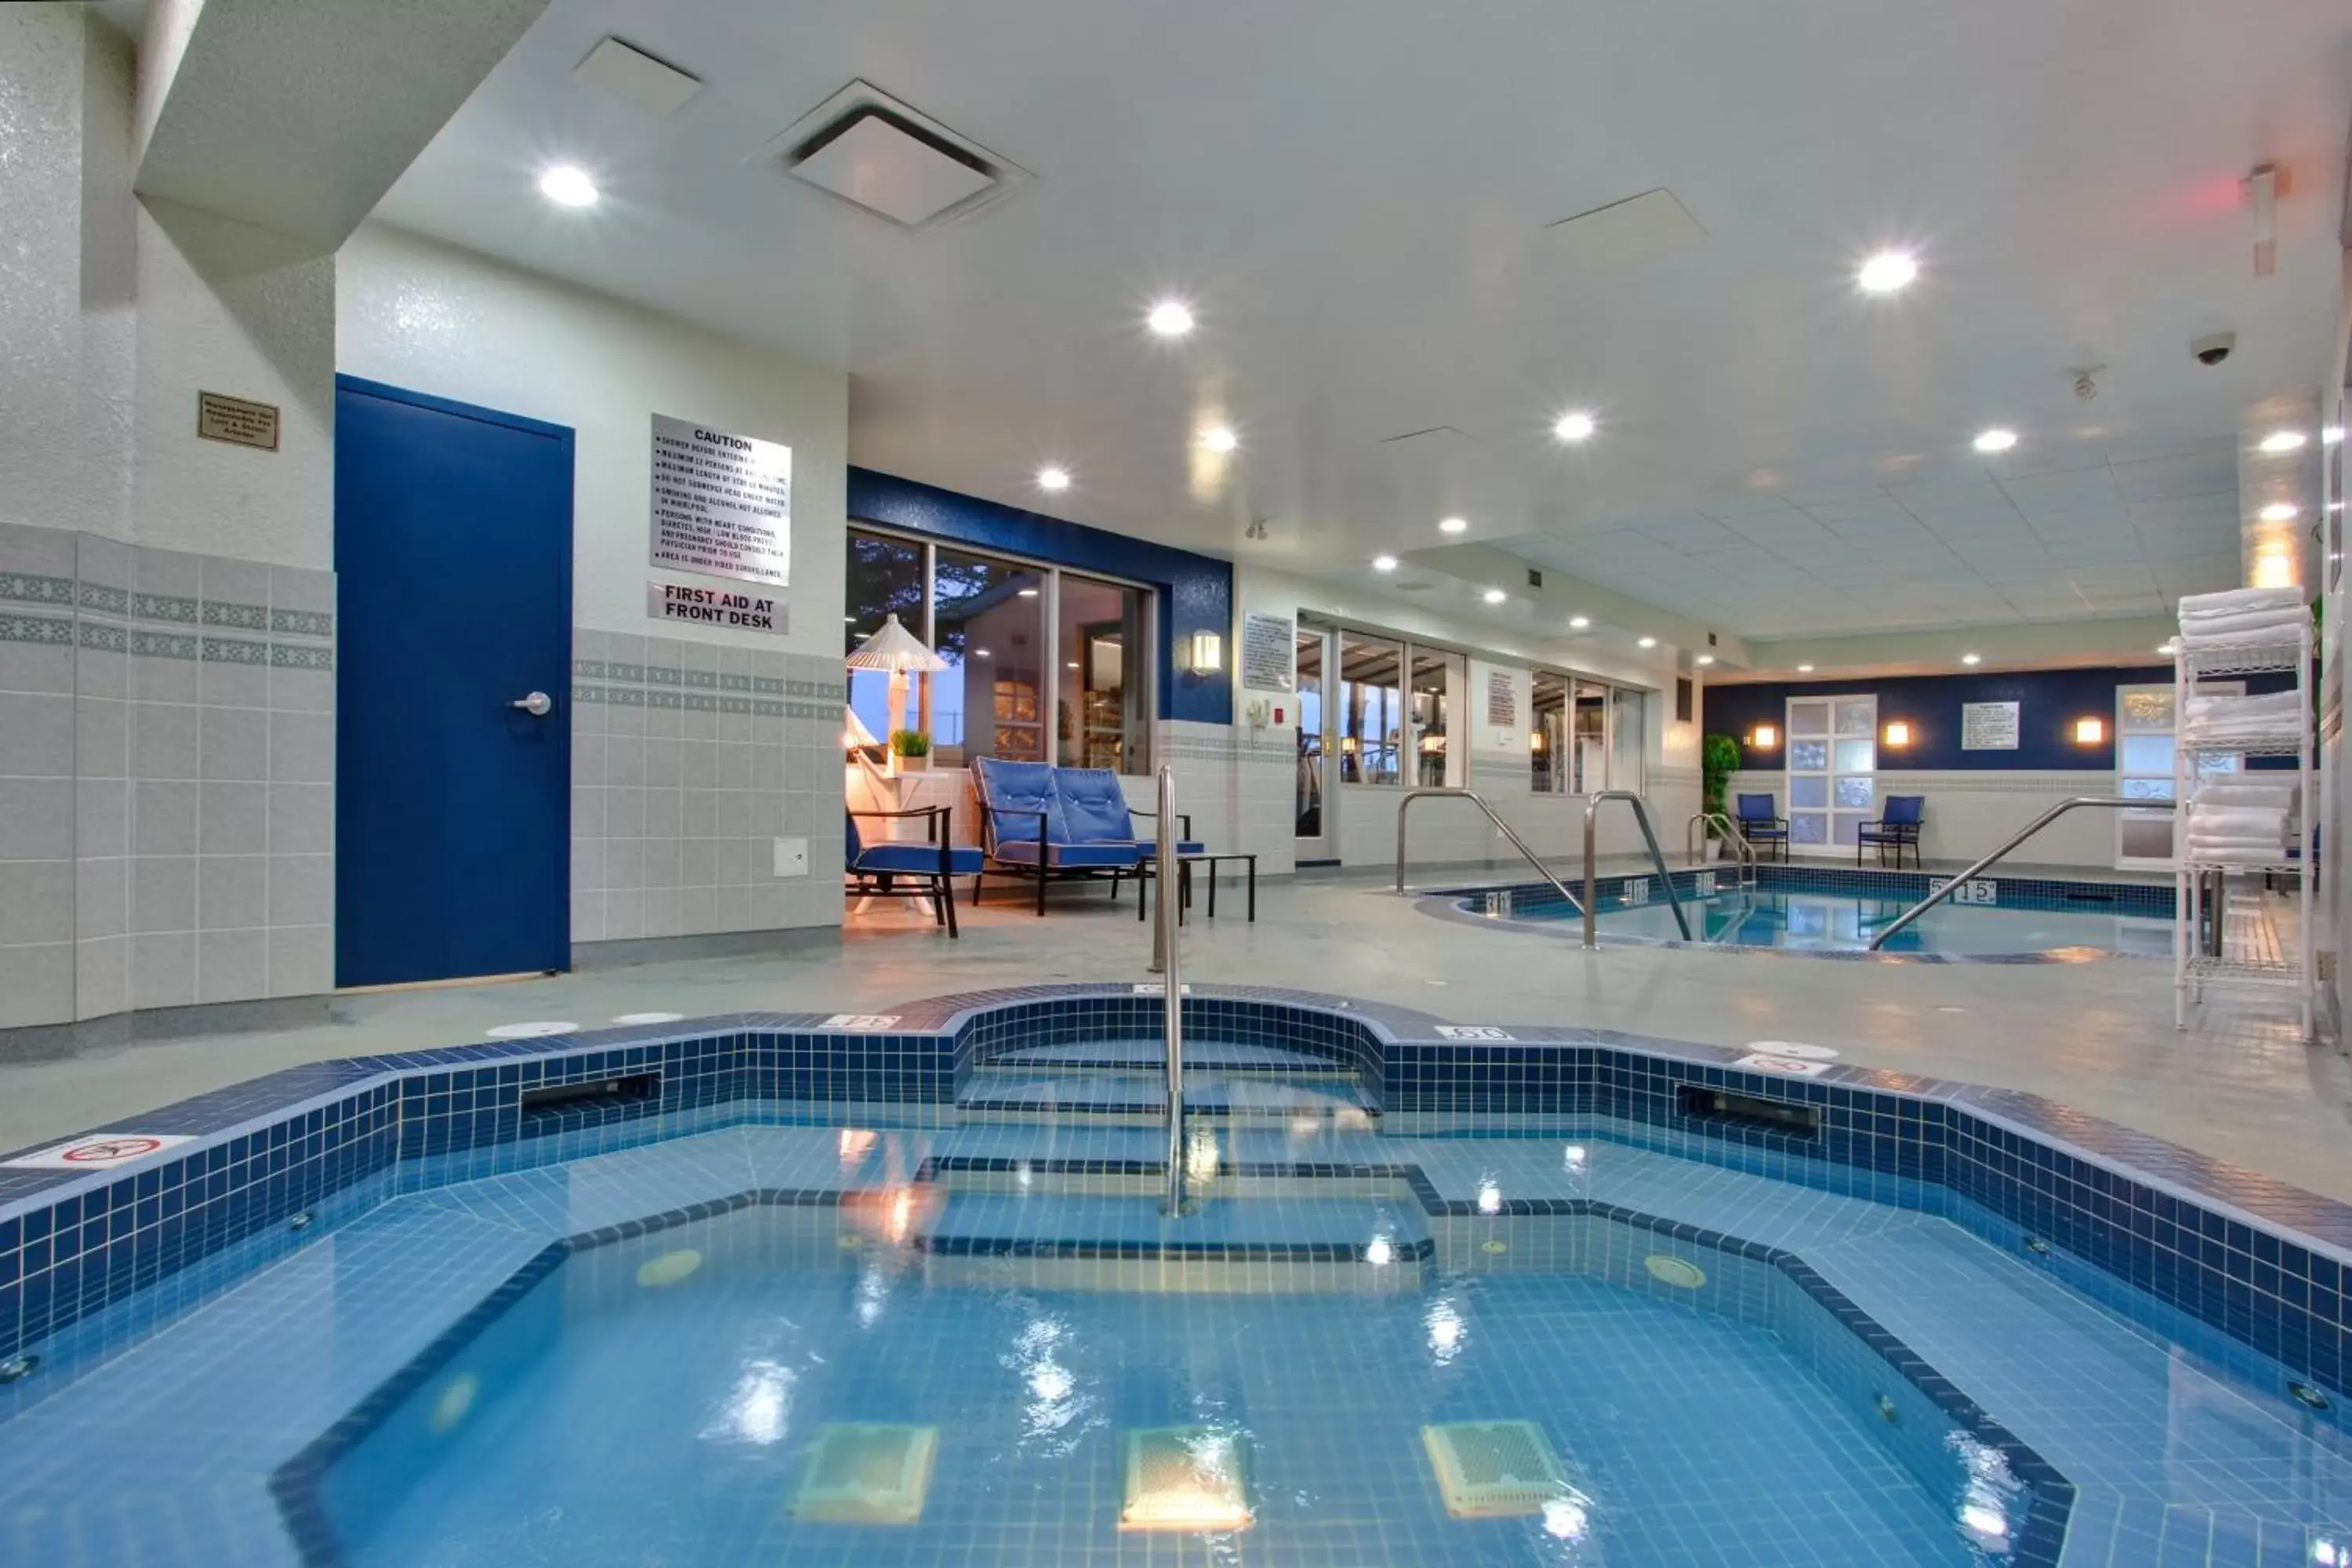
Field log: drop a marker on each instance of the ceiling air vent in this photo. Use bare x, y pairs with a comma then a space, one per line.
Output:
892, 160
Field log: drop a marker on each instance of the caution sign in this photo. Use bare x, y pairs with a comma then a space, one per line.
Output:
689, 605
722, 504
99, 1152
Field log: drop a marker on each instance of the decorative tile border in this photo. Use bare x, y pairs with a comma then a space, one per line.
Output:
162, 645
35, 629
234, 650
297, 656
2264, 1265
163, 607
25, 588
301, 622
105, 600
238, 618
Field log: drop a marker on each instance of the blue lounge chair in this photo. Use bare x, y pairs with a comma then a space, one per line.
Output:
1897, 826
1040, 821
874, 867
1762, 825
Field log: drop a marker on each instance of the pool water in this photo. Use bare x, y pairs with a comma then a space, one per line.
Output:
608, 1422
1847, 923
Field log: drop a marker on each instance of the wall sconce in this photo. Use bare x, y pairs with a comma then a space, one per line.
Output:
1348, 744
1207, 653
2090, 731
1765, 738
1898, 734
1536, 741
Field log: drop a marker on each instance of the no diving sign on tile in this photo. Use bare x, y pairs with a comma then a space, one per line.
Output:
97, 1152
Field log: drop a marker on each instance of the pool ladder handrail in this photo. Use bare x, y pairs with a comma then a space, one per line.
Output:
1474, 798
1165, 927
1657, 857
1747, 850
1959, 879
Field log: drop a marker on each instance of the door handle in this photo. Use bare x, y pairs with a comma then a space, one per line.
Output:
538, 704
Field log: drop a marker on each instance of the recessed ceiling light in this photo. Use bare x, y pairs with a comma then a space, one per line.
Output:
1384, 563
1971, 658
1028, 593
1219, 438
568, 185
1053, 477
1704, 658
1072, 665
1170, 319
2278, 511
1574, 426
2331, 435
851, 619
1888, 272
1804, 669
1496, 595
1453, 525
979, 653
1578, 623
2283, 441
1647, 642
1995, 440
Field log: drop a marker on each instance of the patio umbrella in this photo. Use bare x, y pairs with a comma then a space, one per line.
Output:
898, 650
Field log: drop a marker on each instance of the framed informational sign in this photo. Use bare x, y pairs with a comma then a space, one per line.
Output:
722, 504
1266, 648
1502, 700
1989, 726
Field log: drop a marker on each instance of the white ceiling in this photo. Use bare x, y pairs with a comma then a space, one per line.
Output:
1354, 199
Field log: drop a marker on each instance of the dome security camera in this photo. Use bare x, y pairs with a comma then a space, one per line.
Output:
2214, 347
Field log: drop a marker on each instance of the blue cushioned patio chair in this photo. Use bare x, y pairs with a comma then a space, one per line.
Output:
1762, 825
1899, 824
1035, 822
874, 867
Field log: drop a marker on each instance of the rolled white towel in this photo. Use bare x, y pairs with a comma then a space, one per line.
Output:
2233, 792
2235, 827
2272, 704
2249, 628
2230, 601
2236, 818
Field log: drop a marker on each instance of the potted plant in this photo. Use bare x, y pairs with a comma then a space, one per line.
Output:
912, 749
1718, 759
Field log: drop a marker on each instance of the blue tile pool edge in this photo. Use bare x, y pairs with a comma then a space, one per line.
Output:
296, 1486
2264, 1263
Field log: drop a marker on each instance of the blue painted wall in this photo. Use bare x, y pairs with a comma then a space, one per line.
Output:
1196, 592
2049, 702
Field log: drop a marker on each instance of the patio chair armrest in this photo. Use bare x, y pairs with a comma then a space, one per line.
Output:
1183, 816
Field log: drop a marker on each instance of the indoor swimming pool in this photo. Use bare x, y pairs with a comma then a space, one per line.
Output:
1806, 910
898, 1289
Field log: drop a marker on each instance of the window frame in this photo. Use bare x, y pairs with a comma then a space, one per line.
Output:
1457, 763
1050, 573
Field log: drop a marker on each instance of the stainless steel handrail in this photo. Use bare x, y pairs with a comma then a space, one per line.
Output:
2112, 802
1641, 817
1500, 826
1731, 831
1165, 963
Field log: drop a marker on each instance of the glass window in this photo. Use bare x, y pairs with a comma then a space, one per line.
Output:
1548, 735
1589, 739
1629, 739
991, 622
1437, 676
885, 577
1370, 711
1101, 717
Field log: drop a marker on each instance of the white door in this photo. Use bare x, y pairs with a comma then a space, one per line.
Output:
1833, 751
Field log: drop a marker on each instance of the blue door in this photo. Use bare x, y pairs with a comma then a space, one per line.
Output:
453, 555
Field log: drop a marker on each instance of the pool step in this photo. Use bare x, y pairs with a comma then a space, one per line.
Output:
1139, 1097
1206, 1056
1059, 1241
1246, 1160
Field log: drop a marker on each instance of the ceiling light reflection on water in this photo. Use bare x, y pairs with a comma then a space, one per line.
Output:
758, 1409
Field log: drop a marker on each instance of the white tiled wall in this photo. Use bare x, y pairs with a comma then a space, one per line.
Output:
167, 749
689, 761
